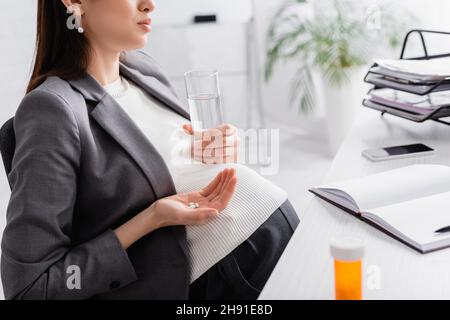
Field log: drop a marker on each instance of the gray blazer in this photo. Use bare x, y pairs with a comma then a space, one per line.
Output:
82, 168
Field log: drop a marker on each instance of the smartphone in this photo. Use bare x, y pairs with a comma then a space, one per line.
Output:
397, 152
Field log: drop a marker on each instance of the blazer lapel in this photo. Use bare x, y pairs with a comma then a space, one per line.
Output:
110, 116
157, 89
113, 119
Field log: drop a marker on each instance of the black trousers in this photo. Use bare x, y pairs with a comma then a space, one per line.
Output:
243, 273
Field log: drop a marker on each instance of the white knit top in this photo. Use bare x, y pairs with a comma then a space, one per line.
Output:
254, 200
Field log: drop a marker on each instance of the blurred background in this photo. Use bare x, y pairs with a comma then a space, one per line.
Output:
296, 66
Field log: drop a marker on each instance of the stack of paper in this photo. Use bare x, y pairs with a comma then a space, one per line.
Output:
414, 71
410, 102
414, 89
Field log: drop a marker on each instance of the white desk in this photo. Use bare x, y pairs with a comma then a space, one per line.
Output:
305, 270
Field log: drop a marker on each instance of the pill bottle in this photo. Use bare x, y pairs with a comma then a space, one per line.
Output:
347, 253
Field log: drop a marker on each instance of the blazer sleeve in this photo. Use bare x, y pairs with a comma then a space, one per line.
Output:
38, 260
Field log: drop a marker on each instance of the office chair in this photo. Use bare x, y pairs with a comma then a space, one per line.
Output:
7, 144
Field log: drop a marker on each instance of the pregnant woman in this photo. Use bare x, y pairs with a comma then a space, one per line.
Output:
99, 207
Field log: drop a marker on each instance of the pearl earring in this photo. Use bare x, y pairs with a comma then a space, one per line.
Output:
80, 30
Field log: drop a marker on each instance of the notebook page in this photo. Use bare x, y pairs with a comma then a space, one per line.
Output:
431, 68
418, 219
395, 186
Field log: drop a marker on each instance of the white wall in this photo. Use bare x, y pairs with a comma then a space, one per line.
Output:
17, 32
17, 24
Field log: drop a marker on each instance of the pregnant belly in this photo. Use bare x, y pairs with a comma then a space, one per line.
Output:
253, 201
194, 177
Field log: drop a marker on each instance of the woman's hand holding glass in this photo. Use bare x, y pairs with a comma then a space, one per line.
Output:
216, 145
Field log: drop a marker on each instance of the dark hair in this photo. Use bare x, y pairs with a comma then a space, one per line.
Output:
59, 51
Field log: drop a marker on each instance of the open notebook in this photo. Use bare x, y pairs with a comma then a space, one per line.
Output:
409, 203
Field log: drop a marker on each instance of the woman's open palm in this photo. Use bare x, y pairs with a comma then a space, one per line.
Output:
212, 199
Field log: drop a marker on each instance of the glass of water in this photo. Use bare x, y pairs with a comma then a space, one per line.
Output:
203, 92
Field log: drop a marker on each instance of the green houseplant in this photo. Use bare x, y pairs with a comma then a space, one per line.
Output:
333, 42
